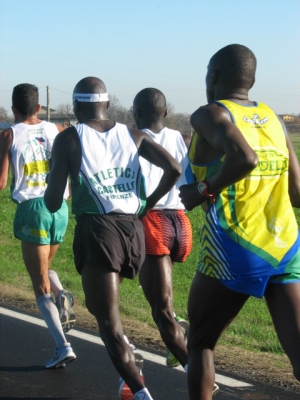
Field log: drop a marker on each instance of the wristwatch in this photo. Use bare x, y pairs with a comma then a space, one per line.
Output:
203, 189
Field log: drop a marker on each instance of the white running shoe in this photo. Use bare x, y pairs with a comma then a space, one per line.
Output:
61, 357
124, 391
64, 304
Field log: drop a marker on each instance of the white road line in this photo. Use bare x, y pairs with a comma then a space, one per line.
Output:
95, 339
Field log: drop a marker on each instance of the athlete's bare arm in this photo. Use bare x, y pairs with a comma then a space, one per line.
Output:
5, 146
187, 140
157, 155
60, 128
294, 175
220, 137
65, 160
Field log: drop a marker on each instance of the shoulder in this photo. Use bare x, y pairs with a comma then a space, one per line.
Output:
60, 128
138, 136
6, 137
211, 113
66, 136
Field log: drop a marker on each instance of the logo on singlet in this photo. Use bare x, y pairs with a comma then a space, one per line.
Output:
255, 120
40, 140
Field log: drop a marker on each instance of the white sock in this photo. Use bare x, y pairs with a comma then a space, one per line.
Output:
140, 395
50, 314
186, 368
55, 284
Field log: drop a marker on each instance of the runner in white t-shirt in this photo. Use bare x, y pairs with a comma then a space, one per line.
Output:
102, 159
27, 146
168, 232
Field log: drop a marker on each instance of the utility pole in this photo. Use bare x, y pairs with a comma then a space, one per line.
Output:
48, 103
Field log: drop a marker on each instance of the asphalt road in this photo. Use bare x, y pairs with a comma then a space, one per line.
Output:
25, 345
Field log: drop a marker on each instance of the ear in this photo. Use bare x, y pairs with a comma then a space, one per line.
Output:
214, 76
166, 113
38, 108
137, 113
14, 110
252, 83
107, 105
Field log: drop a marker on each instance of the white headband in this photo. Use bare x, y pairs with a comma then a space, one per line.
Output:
91, 97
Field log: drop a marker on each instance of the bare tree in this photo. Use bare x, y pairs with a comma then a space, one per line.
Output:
3, 114
65, 110
117, 112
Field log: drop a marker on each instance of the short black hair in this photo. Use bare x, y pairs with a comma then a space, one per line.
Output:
25, 98
151, 101
236, 65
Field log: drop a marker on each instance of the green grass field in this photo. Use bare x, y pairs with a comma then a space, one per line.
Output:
252, 329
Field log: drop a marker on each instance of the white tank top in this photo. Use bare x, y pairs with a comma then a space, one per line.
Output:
110, 178
30, 153
173, 142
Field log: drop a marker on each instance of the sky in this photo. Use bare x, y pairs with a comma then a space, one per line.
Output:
134, 44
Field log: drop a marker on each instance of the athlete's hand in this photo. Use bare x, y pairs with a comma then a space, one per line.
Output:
145, 212
190, 197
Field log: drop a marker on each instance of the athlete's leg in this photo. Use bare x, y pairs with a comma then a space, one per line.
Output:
283, 301
101, 287
211, 308
36, 259
157, 283
55, 284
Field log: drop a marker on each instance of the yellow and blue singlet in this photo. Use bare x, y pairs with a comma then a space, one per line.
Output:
250, 232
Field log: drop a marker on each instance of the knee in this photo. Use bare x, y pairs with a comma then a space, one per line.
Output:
201, 339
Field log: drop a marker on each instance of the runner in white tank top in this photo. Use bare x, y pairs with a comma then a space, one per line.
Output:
101, 157
172, 141
27, 147
168, 232
30, 155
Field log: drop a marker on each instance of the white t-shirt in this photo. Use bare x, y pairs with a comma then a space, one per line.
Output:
173, 142
30, 154
110, 175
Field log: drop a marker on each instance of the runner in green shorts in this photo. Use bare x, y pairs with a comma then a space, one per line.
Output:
26, 147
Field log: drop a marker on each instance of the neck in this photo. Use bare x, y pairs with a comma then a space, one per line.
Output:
96, 119
153, 126
234, 95
30, 120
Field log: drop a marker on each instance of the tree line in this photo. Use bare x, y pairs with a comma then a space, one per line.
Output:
116, 112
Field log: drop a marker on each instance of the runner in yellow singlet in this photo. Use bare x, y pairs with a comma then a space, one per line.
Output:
248, 180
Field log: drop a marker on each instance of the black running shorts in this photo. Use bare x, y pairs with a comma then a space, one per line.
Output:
114, 241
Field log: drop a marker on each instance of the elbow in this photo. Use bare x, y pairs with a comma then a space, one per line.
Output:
51, 204
295, 197
176, 171
295, 202
52, 207
252, 160
248, 163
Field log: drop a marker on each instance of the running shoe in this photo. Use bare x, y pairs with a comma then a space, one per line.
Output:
61, 357
64, 304
171, 360
216, 390
124, 391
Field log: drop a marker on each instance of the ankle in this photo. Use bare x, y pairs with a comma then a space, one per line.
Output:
140, 395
